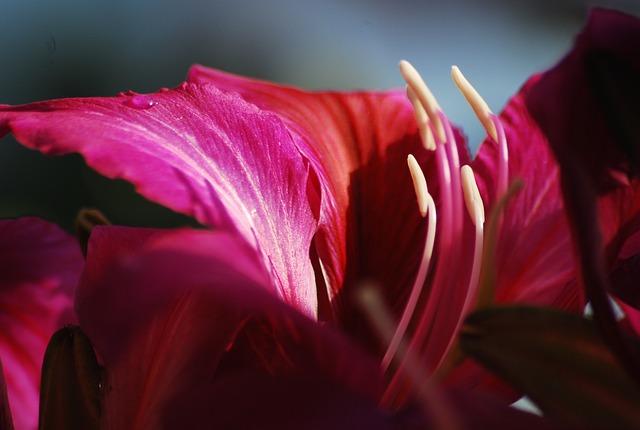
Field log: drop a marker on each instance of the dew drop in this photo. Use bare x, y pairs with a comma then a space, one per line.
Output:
141, 101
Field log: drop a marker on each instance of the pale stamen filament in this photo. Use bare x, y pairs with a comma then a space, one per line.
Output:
477, 103
472, 197
434, 403
490, 122
456, 189
422, 92
446, 238
475, 207
422, 119
422, 193
503, 158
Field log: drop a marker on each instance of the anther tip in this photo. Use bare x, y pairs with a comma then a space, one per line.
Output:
477, 103
419, 184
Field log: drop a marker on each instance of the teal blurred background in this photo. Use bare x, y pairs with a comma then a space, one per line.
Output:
68, 48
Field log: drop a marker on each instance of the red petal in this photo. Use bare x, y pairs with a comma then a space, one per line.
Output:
176, 319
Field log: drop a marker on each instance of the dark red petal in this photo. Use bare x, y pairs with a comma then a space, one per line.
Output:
584, 106
189, 310
40, 266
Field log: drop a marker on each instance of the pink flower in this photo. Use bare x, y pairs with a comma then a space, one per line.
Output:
309, 196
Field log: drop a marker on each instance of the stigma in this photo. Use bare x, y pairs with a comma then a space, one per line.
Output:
455, 232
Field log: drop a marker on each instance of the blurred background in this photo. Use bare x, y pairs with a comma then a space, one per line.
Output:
68, 48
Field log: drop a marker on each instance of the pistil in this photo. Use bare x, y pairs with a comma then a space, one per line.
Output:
475, 207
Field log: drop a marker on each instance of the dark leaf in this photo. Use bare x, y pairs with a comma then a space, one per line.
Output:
559, 360
70, 392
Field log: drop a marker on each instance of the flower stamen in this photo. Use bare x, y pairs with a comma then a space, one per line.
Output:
427, 206
475, 207
472, 198
422, 119
432, 399
476, 102
424, 94
503, 158
419, 184
436, 315
491, 124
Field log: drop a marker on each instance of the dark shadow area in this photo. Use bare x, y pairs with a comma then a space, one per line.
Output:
56, 188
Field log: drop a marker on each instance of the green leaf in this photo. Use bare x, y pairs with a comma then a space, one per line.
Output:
557, 359
70, 391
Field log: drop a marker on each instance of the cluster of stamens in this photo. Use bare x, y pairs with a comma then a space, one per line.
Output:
441, 312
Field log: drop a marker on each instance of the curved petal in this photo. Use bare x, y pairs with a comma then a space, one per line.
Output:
588, 107
535, 261
40, 266
358, 144
198, 151
185, 319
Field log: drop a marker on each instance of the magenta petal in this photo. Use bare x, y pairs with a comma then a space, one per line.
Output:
357, 142
583, 105
198, 151
535, 261
588, 107
40, 266
189, 310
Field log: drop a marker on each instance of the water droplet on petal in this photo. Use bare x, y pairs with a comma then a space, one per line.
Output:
141, 101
